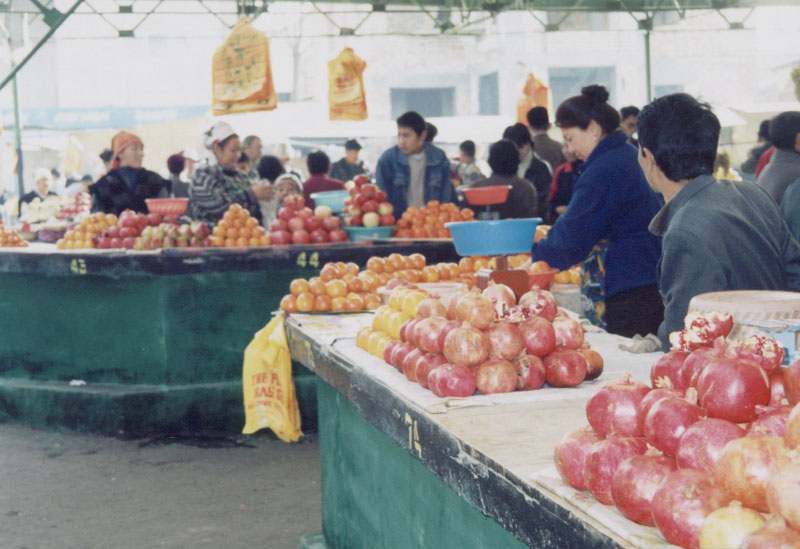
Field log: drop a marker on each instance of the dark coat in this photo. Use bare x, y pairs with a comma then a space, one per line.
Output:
111, 194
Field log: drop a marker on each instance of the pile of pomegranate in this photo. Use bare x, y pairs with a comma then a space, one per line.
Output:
706, 450
488, 342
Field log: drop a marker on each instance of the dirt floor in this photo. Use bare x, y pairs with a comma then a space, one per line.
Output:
70, 490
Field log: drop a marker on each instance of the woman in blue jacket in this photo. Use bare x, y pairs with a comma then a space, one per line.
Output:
608, 216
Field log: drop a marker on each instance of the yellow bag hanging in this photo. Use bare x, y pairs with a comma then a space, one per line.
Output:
346, 97
534, 94
269, 396
241, 73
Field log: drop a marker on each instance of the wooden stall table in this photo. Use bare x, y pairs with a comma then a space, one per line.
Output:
404, 468
132, 343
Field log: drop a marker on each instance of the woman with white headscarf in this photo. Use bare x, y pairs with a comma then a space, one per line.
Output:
218, 184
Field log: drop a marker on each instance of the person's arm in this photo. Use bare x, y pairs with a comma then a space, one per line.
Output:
209, 198
383, 175
447, 194
592, 210
688, 267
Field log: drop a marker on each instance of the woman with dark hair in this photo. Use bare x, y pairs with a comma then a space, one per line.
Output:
270, 167
606, 223
127, 185
218, 184
784, 166
504, 161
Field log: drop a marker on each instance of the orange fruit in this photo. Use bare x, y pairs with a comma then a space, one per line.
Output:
317, 286
395, 260
375, 264
352, 268
251, 222
341, 267
362, 337
234, 207
354, 302
241, 241
230, 242
219, 230
466, 265
329, 272
322, 303
562, 277
298, 286
305, 302
337, 304
336, 288
430, 274
539, 267
356, 284
372, 302
264, 240
418, 261
289, 303
232, 233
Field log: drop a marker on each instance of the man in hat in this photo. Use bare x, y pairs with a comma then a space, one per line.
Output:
349, 166
44, 180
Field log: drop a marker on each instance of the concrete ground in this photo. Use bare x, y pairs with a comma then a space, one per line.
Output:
71, 490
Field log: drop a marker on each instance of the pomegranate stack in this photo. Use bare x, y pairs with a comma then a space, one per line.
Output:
488, 342
706, 450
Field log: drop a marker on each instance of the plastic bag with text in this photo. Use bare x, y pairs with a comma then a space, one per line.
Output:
269, 396
346, 97
241, 73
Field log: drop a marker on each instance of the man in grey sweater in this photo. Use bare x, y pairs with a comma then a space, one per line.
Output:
716, 235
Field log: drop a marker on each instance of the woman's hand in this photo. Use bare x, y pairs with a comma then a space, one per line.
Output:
263, 192
560, 210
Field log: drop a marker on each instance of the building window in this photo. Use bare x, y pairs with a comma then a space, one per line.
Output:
488, 95
666, 89
426, 101
568, 81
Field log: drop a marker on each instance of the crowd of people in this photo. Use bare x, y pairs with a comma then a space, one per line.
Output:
644, 200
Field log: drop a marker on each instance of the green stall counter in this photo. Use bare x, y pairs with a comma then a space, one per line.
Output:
134, 343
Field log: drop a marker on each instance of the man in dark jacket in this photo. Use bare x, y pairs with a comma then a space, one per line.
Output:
716, 235
349, 166
521, 201
548, 149
531, 168
764, 143
127, 185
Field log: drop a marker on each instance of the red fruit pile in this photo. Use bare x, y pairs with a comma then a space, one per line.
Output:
712, 430
466, 345
297, 224
367, 206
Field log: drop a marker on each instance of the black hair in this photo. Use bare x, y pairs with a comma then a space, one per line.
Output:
538, 119
55, 173
625, 112
412, 120
591, 104
783, 130
504, 157
249, 140
87, 177
518, 134
318, 163
176, 163
763, 130
270, 167
468, 148
107, 155
682, 133
432, 130
244, 157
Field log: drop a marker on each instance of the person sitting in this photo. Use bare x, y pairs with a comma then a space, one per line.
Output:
218, 184
318, 166
722, 167
531, 167
349, 166
43, 181
521, 201
564, 179
128, 184
748, 167
546, 148
413, 172
605, 225
784, 167
716, 235
468, 169
176, 163
270, 167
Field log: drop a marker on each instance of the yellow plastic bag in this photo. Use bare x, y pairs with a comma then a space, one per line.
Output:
241, 73
269, 397
346, 97
534, 94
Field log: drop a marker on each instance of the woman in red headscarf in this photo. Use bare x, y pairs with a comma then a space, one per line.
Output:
127, 184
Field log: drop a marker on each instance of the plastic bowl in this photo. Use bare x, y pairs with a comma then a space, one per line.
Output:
333, 199
368, 233
484, 196
543, 280
498, 237
167, 206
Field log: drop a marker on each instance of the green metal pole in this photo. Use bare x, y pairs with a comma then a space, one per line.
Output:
18, 139
647, 65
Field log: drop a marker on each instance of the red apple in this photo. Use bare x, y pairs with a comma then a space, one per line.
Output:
280, 237
129, 221
115, 242
301, 237
313, 224
354, 221
322, 211
285, 214
305, 213
359, 199
113, 231
331, 223
385, 208
318, 236
104, 242
128, 231
380, 196
368, 190
360, 180
278, 225
353, 192
201, 230
371, 219
370, 206
296, 224
386, 219
338, 235
129, 242
172, 218
154, 219
294, 201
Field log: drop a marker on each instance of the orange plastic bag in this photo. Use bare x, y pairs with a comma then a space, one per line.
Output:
269, 395
346, 97
534, 94
241, 73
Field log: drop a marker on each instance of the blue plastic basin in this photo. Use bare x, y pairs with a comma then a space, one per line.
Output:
333, 199
497, 237
369, 233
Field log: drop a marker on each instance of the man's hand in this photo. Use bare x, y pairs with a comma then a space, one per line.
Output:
263, 192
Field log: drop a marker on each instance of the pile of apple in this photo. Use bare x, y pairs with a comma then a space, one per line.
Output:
367, 206
138, 231
79, 207
298, 224
481, 340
